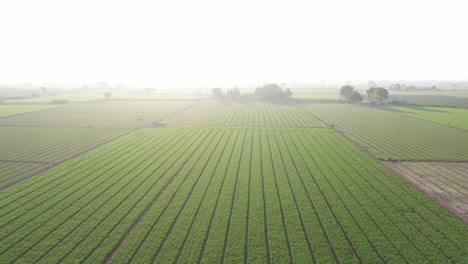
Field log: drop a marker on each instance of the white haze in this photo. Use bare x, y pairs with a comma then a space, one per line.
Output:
186, 43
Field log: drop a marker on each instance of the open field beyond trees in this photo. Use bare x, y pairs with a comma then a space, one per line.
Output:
454, 117
9, 110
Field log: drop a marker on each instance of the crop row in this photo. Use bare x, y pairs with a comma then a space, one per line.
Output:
225, 195
390, 135
13, 171
118, 114
246, 114
88, 188
47, 145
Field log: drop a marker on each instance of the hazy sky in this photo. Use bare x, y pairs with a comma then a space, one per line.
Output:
223, 42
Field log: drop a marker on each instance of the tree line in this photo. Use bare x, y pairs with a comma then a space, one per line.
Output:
374, 94
271, 92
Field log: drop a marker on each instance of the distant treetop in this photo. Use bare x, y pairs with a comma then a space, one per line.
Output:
273, 92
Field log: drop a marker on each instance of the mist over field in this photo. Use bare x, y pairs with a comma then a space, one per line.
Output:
216, 43
233, 131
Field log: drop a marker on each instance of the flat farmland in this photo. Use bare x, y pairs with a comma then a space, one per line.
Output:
32, 142
9, 110
454, 117
388, 134
225, 195
254, 114
71, 97
113, 114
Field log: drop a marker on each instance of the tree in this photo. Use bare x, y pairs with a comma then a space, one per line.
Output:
107, 95
355, 97
272, 92
218, 93
43, 89
396, 87
234, 93
377, 94
346, 91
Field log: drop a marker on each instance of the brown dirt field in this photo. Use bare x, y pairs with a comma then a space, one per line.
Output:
446, 183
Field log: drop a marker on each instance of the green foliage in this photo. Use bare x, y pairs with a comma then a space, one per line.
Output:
272, 92
218, 93
377, 94
454, 117
279, 187
346, 92
234, 93
356, 97
253, 114
225, 195
386, 134
9, 110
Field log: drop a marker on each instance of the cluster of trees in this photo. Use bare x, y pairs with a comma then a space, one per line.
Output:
273, 92
269, 92
374, 94
377, 94
348, 93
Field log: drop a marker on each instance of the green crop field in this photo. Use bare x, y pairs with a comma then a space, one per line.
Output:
118, 114
436, 100
391, 135
32, 142
447, 116
225, 195
222, 183
245, 114
9, 110
72, 97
